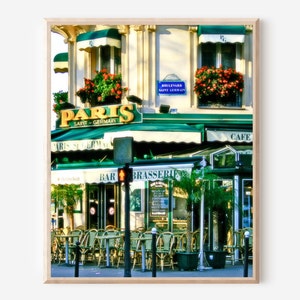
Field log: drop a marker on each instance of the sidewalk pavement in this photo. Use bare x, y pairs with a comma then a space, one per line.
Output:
92, 270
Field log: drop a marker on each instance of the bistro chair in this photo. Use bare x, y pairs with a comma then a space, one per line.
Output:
112, 244
53, 245
180, 242
165, 250
110, 227
120, 252
135, 248
195, 243
76, 236
147, 244
134, 235
100, 245
232, 246
87, 246
58, 248
242, 243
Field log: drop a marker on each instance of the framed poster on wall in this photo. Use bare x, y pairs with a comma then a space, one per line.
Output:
186, 91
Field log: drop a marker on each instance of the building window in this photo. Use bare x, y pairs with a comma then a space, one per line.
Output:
216, 55
107, 57
247, 214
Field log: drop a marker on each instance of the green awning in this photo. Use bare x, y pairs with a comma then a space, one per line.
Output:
110, 37
232, 136
96, 138
79, 139
221, 34
61, 62
224, 120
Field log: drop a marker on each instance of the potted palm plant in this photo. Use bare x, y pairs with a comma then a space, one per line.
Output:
188, 186
218, 201
192, 186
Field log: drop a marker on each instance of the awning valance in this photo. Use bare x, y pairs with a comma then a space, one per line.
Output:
221, 34
102, 137
110, 37
61, 62
110, 175
229, 136
158, 133
79, 140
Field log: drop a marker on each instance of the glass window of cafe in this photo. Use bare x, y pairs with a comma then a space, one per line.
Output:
150, 207
166, 211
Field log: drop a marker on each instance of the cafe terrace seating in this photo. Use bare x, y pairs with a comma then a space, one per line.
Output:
100, 245
165, 250
232, 246
236, 246
94, 247
76, 236
87, 246
134, 245
180, 241
242, 243
57, 246
110, 243
144, 240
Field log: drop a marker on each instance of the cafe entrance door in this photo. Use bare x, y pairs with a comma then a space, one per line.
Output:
102, 206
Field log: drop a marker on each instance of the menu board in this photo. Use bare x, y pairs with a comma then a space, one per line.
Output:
158, 200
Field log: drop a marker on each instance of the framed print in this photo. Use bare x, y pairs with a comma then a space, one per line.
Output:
179, 203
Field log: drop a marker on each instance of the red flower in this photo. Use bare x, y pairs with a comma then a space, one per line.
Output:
217, 82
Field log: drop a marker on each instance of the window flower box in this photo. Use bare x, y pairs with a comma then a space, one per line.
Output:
104, 89
218, 87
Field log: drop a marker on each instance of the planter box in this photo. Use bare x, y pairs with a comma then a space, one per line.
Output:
187, 261
216, 259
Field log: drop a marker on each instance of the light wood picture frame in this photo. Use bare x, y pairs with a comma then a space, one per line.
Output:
224, 134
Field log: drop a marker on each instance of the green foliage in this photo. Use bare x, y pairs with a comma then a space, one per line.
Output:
60, 96
195, 184
66, 196
61, 102
188, 185
102, 88
218, 198
218, 83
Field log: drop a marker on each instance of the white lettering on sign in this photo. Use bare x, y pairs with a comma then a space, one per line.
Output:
80, 145
110, 175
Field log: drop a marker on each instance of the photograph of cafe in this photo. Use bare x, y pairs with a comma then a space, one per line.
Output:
183, 94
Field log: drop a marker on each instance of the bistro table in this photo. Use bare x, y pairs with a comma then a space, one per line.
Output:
66, 237
107, 238
143, 240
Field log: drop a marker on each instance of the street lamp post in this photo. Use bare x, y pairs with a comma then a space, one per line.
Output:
201, 251
203, 164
